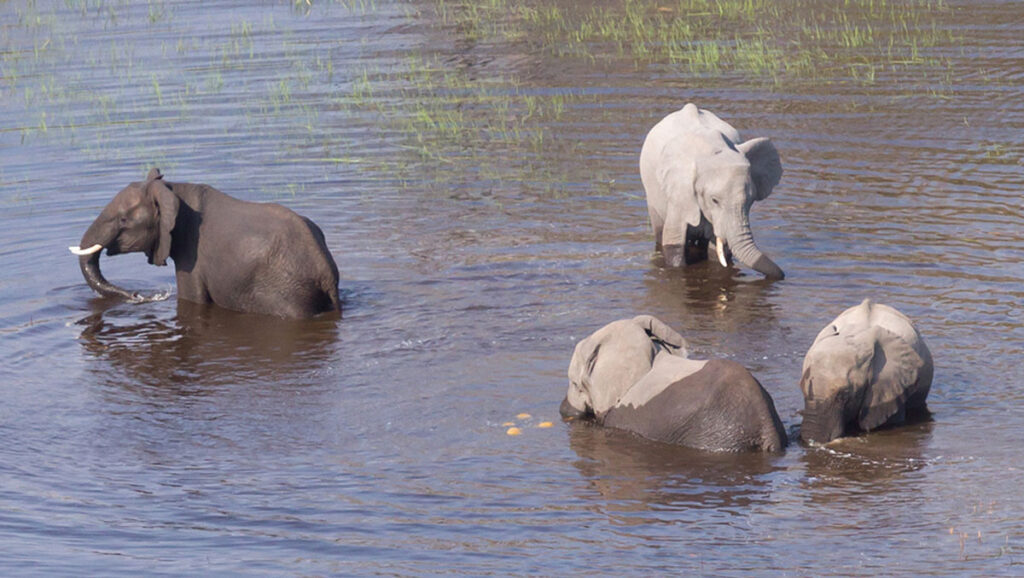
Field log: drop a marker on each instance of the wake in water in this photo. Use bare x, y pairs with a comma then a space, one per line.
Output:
158, 296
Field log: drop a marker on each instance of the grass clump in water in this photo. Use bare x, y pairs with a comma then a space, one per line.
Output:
803, 39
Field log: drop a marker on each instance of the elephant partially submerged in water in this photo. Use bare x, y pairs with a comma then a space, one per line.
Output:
634, 375
868, 369
700, 181
250, 257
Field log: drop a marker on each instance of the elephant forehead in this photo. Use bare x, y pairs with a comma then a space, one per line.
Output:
130, 196
834, 351
726, 173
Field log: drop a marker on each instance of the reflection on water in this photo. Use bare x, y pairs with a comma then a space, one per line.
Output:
204, 346
636, 476
731, 300
872, 461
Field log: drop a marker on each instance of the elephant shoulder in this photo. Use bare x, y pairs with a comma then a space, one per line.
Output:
731, 376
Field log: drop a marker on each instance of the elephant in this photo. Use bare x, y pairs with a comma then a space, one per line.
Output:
700, 182
869, 368
634, 375
251, 257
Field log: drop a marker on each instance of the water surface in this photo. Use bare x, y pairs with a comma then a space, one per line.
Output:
474, 170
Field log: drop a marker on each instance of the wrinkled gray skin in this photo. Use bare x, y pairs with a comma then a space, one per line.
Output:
634, 375
867, 369
251, 257
700, 182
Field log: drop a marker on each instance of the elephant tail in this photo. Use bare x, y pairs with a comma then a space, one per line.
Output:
335, 299
329, 299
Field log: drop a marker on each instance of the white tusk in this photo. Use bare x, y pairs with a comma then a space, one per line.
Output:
721, 251
89, 251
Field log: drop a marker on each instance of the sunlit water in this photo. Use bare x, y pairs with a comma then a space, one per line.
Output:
479, 237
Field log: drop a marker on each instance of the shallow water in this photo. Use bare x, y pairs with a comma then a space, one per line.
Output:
478, 187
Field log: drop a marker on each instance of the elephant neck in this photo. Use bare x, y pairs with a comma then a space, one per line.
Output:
191, 195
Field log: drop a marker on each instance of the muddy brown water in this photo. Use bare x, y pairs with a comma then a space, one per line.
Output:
479, 190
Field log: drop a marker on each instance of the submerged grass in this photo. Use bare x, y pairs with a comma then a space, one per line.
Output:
443, 116
798, 40
446, 121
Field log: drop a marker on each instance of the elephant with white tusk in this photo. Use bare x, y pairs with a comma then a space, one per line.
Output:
700, 181
634, 375
249, 257
867, 369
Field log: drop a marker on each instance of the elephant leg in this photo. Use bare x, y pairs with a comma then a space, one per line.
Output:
658, 225
693, 250
696, 248
675, 255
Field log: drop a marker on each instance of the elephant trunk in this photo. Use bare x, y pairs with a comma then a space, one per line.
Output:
569, 411
822, 421
745, 251
90, 265
93, 243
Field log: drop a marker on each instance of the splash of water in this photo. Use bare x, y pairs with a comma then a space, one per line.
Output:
138, 297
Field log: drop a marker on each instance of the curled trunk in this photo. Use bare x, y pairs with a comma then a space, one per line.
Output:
745, 251
90, 265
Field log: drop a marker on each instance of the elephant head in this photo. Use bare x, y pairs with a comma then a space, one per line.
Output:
139, 218
865, 370
606, 364
707, 177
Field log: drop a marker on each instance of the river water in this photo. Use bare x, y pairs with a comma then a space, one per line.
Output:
474, 169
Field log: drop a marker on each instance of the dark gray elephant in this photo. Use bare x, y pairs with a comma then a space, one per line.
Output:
867, 369
634, 375
250, 257
700, 182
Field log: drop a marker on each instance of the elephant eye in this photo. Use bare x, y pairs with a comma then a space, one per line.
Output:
714, 200
123, 220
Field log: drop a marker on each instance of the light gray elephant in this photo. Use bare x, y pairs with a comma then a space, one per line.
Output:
867, 369
634, 375
700, 182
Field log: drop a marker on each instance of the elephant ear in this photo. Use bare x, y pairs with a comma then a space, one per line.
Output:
678, 179
895, 370
662, 334
167, 204
765, 165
